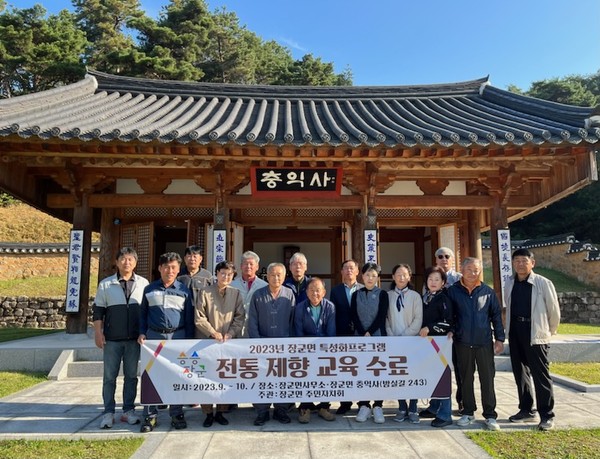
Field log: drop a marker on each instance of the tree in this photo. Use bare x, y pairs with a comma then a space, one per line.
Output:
579, 212
38, 53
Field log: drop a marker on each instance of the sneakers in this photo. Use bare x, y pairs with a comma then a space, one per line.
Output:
107, 421
546, 424
364, 413
523, 416
150, 422
491, 424
465, 420
437, 422
401, 416
426, 414
413, 418
378, 417
178, 421
130, 417
324, 413
304, 416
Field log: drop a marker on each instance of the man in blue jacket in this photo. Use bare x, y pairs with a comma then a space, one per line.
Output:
477, 315
116, 315
166, 312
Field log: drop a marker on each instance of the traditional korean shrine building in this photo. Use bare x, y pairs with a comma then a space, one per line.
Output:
158, 165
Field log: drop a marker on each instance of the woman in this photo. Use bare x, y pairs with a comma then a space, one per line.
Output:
368, 310
404, 318
437, 321
220, 315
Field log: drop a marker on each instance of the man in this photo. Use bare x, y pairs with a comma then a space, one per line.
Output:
476, 311
193, 275
298, 280
340, 296
444, 258
248, 282
116, 315
167, 312
532, 317
271, 315
315, 317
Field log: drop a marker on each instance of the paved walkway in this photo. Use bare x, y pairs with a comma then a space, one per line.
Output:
72, 408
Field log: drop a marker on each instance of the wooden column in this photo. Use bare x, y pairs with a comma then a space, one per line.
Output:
498, 220
474, 234
82, 220
109, 244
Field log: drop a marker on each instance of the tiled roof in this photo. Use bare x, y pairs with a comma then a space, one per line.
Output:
471, 113
40, 249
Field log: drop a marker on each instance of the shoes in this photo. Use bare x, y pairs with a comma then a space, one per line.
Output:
304, 417
400, 416
546, 424
281, 416
491, 424
221, 420
107, 421
162, 407
437, 422
344, 408
378, 417
523, 416
130, 417
150, 422
178, 421
209, 420
413, 418
364, 413
465, 420
326, 414
426, 414
261, 419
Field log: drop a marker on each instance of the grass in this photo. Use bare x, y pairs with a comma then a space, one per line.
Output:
578, 329
14, 381
67, 449
533, 444
561, 281
13, 333
23, 223
41, 286
587, 372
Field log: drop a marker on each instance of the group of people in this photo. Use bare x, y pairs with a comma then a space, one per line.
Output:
188, 302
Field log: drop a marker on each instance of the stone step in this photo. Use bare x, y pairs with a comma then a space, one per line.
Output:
82, 369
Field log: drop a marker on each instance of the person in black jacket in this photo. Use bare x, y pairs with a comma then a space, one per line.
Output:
116, 314
437, 321
340, 296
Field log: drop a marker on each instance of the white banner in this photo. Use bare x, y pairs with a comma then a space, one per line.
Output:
295, 369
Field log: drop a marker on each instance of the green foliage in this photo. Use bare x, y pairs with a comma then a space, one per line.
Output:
54, 286
533, 444
13, 333
562, 282
578, 329
7, 200
38, 53
587, 372
14, 381
122, 448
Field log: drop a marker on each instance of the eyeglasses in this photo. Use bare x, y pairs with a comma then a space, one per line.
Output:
442, 256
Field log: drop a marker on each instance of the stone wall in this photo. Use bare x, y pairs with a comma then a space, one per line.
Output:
50, 312
23, 266
25, 312
558, 258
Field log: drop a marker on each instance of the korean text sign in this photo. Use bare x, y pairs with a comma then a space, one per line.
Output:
296, 182
295, 369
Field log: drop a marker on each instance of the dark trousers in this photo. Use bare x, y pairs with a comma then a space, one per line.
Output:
468, 357
263, 408
530, 362
457, 378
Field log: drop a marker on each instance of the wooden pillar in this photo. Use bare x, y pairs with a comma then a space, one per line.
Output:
109, 244
474, 234
82, 220
498, 220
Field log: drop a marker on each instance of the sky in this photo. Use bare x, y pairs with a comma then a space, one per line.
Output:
406, 42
